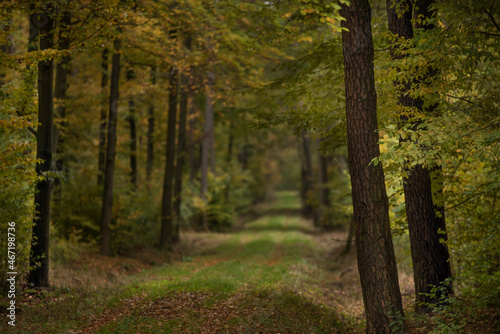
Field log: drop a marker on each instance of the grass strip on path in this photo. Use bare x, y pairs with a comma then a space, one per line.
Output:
257, 280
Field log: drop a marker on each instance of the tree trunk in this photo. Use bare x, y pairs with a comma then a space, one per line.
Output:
425, 221
323, 191
208, 148
194, 151
181, 157
151, 130
376, 259
103, 120
167, 216
133, 135
61, 86
307, 178
39, 257
228, 158
350, 235
109, 171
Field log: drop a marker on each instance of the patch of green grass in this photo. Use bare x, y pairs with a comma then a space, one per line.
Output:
286, 200
248, 279
288, 312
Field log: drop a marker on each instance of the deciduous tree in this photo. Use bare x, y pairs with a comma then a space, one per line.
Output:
426, 223
376, 258
39, 259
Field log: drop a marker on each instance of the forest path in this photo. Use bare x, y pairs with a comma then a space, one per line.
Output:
275, 275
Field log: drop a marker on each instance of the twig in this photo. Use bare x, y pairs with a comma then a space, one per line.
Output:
468, 199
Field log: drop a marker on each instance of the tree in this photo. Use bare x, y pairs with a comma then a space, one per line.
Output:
109, 171
376, 259
426, 222
323, 190
133, 135
101, 162
151, 131
61, 84
307, 186
180, 154
208, 143
39, 259
167, 212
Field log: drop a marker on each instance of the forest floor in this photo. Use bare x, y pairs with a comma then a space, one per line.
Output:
274, 274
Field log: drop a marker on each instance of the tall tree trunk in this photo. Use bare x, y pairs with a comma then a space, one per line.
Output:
61, 86
39, 257
151, 131
323, 191
133, 135
306, 172
425, 220
376, 259
167, 216
229, 157
103, 121
181, 157
194, 151
109, 171
441, 273
208, 148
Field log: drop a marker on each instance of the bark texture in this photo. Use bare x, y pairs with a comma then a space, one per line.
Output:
109, 171
426, 222
376, 259
39, 257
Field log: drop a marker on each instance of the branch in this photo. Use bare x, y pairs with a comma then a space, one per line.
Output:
466, 100
492, 19
468, 199
33, 131
488, 33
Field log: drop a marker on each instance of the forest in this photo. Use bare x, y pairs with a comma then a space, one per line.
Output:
250, 166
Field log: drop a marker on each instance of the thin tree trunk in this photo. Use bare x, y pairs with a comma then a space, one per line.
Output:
229, 158
61, 86
307, 178
151, 130
181, 157
209, 115
167, 216
39, 257
103, 121
194, 151
323, 191
208, 150
425, 220
109, 171
376, 259
133, 135
350, 235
